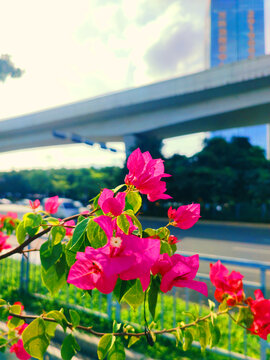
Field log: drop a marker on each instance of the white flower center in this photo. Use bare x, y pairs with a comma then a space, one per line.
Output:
116, 242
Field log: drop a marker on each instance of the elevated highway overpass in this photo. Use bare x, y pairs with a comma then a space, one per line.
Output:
234, 95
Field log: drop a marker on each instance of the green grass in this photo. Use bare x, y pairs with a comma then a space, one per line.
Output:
38, 299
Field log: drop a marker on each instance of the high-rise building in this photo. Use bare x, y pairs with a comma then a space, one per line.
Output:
237, 33
237, 30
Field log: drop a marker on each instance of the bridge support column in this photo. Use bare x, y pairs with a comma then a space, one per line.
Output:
131, 141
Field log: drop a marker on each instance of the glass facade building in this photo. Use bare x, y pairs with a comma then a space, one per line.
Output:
237, 33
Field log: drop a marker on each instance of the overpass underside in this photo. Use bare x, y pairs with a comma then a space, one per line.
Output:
234, 95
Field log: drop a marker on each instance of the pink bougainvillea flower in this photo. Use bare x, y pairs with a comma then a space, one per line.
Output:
19, 350
260, 308
121, 257
227, 284
69, 230
185, 216
35, 204
145, 174
20, 329
179, 271
51, 204
110, 204
173, 240
3, 242
12, 215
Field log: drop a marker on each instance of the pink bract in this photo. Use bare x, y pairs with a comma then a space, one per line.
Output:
35, 204
110, 204
19, 350
121, 257
69, 231
51, 204
226, 283
145, 174
179, 271
260, 308
3, 242
185, 216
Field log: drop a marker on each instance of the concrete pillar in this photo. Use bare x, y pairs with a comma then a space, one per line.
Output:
130, 141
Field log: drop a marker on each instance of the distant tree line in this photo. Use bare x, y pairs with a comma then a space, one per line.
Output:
228, 178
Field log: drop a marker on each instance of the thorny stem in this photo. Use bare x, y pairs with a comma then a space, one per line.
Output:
19, 249
97, 333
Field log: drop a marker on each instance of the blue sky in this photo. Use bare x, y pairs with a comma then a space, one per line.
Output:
76, 50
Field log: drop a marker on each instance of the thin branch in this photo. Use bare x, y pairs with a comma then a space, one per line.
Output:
97, 333
19, 249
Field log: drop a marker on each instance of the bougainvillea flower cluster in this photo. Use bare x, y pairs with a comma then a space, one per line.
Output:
179, 271
68, 226
51, 205
260, 308
145, 174
185, 216
121, 257
19, 350
229, 285
34, 204
3, 242
110, 204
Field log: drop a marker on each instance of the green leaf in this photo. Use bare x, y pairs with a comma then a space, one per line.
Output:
15, 309
188, 340
21, 233
50, 254
149, 232
69, 347
78, 234
35, 339
104, 345
51, 220
3, 342
133, 340
215, 335
163, 233
153, 295
204, 334
135, 220
116, 326
50, 328
165, 248
59, 318
2, 302
58, 233
117, 351
123, 223
71, 254
74, 317
178, 335
245, 316
134, 296
211, 304
14, 322
55, 277
80, 218
133, 201
96, 235
31, 223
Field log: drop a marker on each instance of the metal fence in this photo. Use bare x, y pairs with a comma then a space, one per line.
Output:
235, 342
